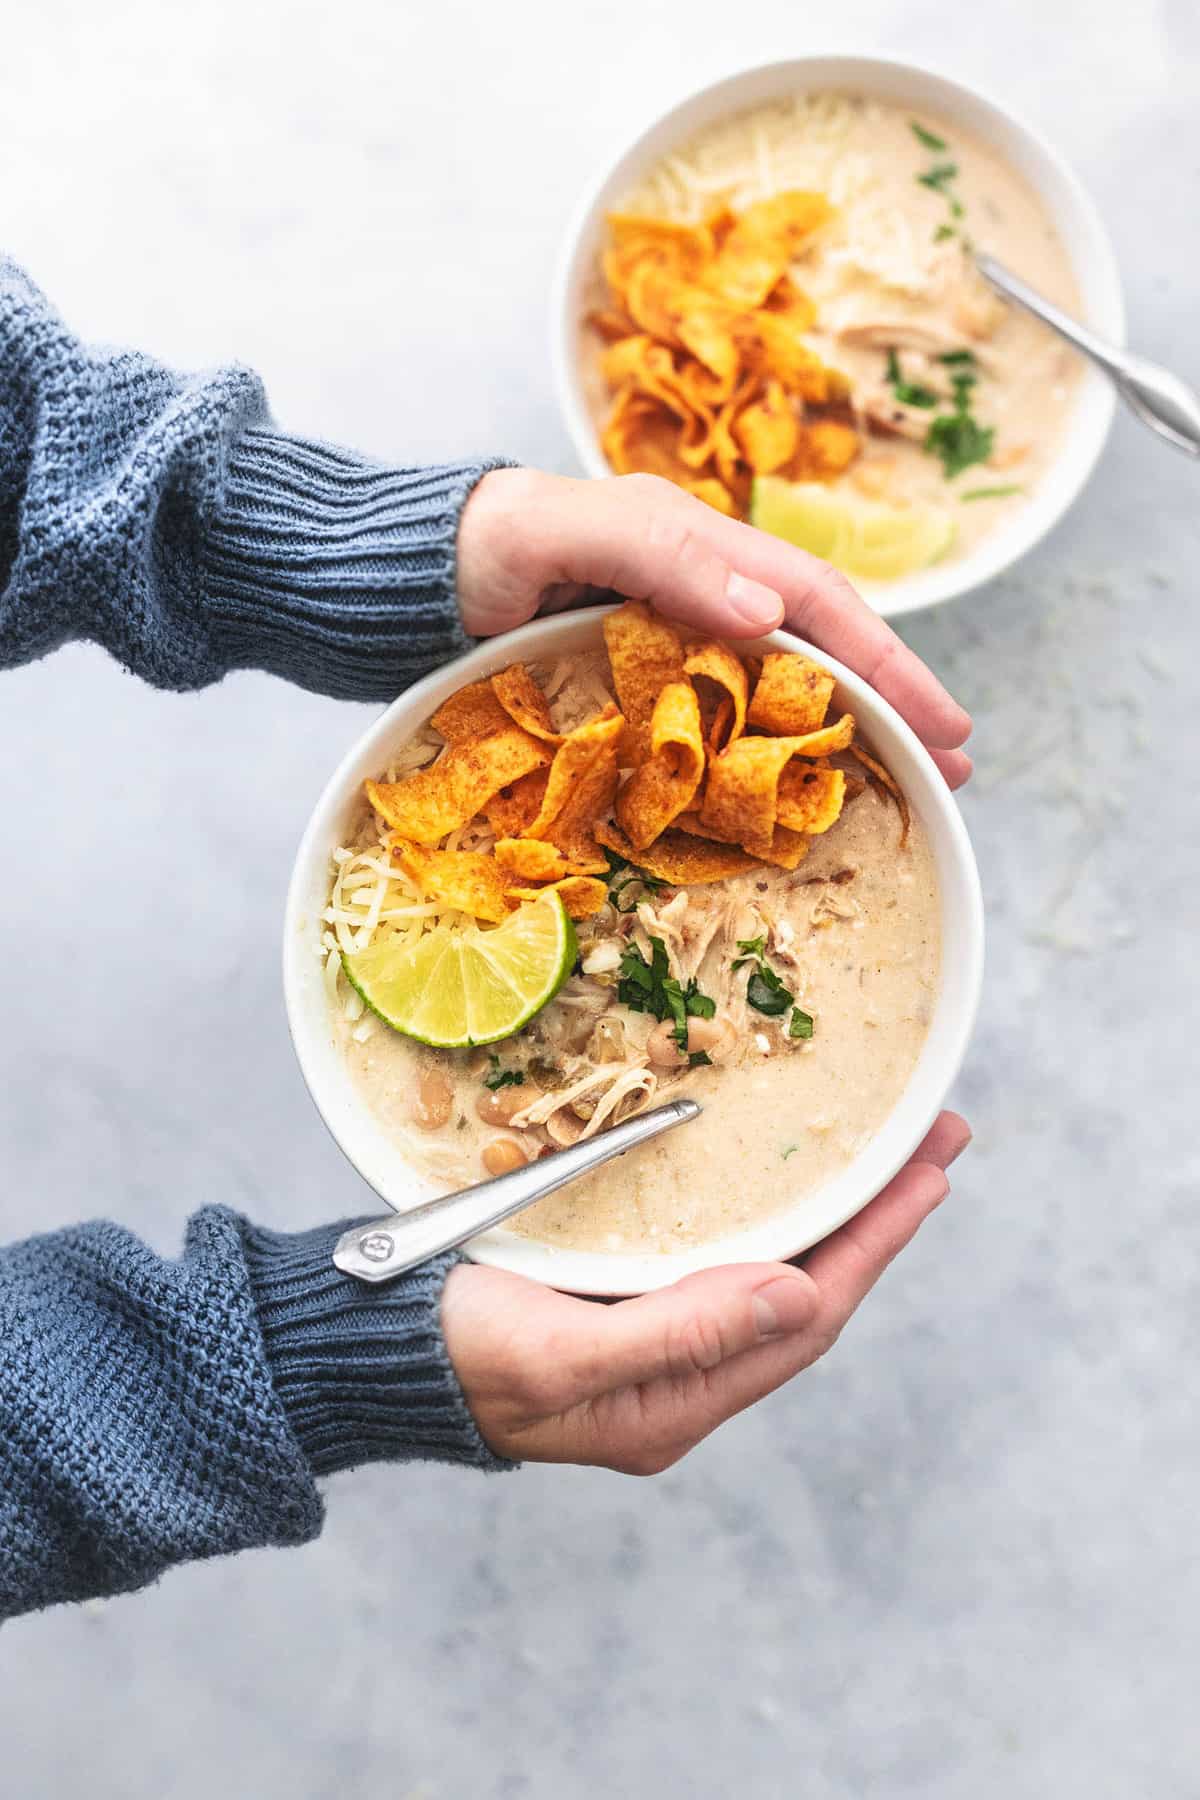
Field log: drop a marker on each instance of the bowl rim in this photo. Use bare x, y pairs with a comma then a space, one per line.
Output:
1088, 426
353, 1127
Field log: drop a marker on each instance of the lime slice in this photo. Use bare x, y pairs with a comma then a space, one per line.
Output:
862, 537
455, 987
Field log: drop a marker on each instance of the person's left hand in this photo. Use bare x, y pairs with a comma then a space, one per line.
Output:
530, 542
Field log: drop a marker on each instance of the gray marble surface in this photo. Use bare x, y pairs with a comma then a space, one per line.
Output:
959, 1559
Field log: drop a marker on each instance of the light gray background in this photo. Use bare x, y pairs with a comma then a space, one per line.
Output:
959, 1560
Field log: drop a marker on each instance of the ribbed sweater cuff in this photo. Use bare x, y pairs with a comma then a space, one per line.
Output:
332, 571
362, 1372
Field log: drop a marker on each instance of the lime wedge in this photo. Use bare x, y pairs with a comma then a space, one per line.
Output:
862, 537
455, 987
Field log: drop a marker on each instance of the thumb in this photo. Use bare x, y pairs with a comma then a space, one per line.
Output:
687, 1329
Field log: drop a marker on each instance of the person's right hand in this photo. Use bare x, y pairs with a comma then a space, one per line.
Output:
636, 1385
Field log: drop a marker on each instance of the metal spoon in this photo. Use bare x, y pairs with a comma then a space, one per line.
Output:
1161, 400
387, 1247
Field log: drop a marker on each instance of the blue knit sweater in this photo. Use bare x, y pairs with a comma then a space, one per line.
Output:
153, 1410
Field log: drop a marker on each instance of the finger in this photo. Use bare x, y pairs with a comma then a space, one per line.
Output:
821, 605
847, 1265
956, 766
742, 1380
682, 1331
647, 540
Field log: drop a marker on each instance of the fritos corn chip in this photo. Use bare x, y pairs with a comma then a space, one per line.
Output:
465, 880
514, 808
810, 799
582, 895
888, 781
644, 654
741, 793
666, 783
682, 860
471, 713
788, 848
712, 661
768, 430
580, 790
791, 696
424, 807
758, 248
524, 702
529, 859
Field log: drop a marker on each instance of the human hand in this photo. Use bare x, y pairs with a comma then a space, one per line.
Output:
634, 1386
530, 542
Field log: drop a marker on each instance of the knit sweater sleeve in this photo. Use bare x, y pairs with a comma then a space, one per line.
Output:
164, 516
156, 1411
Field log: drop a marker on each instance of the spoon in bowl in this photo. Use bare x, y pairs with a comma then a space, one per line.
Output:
387, 1247
1159, 399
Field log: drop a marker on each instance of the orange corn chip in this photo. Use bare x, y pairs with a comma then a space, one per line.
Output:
529, 859
791, 696
583, 781
436, 800
610, 323
667, 781
582, 895
886, 780
740, 795
642, 438
768, 430
714, 493
679, 859
471, 713
827, 740
719, 732
524, 702
515, 807
467, 880
709, 660
824, 448
810, 799
787, 851
644, 654
762, 243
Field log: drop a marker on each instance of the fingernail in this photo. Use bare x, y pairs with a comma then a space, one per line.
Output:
753, 603
782, 1306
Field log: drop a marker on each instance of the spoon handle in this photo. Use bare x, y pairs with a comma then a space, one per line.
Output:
384, 1248
1160, 399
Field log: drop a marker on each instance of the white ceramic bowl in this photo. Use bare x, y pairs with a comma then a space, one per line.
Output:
887, 79
797, 1224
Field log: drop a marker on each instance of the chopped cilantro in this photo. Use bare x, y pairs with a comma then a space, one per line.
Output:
959, 440
993, 493
939, 176
926, 137
497, 1078
790, 1151
650, 987
766, 993
907, 392
942, 233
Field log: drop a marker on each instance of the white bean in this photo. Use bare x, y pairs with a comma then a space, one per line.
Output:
716, 1037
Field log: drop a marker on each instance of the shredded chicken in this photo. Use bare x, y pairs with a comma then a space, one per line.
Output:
619, 1082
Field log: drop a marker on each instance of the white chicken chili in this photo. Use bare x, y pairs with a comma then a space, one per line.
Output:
808, 991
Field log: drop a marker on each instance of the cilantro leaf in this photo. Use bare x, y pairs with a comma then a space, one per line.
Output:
622, 875
927, 137
993, 493
939, 176
953, 358
907, 392
800, 1025
766, 993
497, 1078
959, 441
